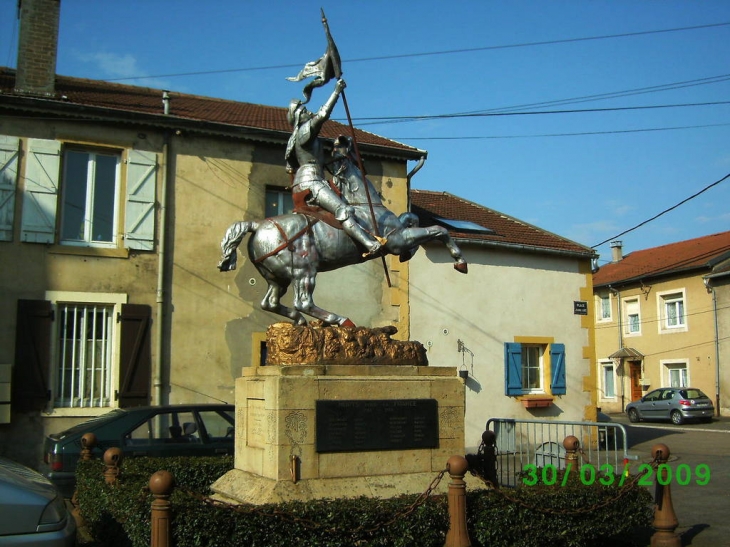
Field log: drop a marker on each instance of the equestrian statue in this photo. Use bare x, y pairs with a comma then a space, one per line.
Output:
335, 223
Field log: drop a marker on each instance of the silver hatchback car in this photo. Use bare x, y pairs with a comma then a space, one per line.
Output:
672, 403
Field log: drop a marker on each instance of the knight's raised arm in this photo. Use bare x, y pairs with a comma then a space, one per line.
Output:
326, 110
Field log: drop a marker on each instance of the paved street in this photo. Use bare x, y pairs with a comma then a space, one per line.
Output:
702, 511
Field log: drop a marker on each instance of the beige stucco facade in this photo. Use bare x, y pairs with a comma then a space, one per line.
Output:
683, 353
720, 286
507, 296
205, 325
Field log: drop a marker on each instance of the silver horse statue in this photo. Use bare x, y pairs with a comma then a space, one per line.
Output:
292, 248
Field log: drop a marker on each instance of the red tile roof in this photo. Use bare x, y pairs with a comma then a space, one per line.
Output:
120, 99
692, 254
507, 231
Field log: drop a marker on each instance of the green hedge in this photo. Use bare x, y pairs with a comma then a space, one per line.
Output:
119, 516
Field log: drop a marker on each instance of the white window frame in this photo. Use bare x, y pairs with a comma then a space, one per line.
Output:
601, 315
665, 299
87, 237
628, 304
603, 366
539, 367
668, 365
60, 298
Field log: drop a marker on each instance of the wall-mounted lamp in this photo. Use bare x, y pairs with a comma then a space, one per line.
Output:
464, 370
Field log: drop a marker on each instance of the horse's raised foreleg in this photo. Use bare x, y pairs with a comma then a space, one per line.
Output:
414, 237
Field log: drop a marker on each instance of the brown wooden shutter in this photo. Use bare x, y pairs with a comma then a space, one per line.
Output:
135, 363
32, 355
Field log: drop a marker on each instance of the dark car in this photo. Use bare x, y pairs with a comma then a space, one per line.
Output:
32, 511
672, 403
174, 430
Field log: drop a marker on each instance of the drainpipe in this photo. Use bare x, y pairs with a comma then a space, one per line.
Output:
711, 289
157, 383
409, 176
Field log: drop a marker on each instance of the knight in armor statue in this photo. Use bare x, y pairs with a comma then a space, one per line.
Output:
305, 157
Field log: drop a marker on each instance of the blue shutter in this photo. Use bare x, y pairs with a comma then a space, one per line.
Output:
512, 368
557, 369
139, 226
9, 147
42, 170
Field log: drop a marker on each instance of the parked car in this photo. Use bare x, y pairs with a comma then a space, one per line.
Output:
32, 510
173, 430
672, 403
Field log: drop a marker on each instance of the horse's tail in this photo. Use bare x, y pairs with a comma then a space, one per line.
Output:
230, 242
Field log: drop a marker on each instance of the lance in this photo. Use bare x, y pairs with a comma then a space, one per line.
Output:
338, 75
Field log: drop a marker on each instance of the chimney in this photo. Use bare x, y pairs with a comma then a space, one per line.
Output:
616, 251
37, 47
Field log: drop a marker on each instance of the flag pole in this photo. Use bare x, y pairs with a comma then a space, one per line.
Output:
365, 182
338, 74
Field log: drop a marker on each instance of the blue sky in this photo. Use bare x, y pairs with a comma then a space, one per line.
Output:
587, 176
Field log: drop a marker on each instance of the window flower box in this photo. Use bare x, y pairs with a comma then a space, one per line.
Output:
536, 402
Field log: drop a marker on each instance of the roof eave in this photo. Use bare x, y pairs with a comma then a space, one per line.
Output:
651, 275
520, 247
41, 105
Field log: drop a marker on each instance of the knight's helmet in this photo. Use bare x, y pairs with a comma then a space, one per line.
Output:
295, 110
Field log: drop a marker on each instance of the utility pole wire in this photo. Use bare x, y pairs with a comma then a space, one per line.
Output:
664, 212
442, 52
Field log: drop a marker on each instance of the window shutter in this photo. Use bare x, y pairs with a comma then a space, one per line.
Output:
512, 368
40, 199
557, 369
32, 355
139, 225
8, 176
135, 360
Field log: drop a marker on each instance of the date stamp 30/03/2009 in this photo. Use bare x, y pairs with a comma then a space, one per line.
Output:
607, 475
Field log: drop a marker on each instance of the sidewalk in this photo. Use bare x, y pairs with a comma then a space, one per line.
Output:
701, 509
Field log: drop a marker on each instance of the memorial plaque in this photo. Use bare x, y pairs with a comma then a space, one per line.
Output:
354, 426
256, 423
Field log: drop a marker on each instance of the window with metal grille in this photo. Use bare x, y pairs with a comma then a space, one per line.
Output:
84, 355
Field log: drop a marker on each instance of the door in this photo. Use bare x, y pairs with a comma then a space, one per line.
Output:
635, 377
652, 406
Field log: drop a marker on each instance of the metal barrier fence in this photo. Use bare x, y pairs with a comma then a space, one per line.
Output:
540, 443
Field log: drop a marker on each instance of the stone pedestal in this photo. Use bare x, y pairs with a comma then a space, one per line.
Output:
276, 453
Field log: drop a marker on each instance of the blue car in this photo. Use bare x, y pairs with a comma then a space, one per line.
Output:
154, 431
677, 404
32, 510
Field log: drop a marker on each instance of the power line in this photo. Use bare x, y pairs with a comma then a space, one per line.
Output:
578, 134
615, 94
400, 119
664, 211
430, 53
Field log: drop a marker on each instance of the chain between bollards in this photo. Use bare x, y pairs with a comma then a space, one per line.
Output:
457, 535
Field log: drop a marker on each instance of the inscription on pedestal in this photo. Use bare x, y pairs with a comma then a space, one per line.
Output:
346, 426
256, 423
